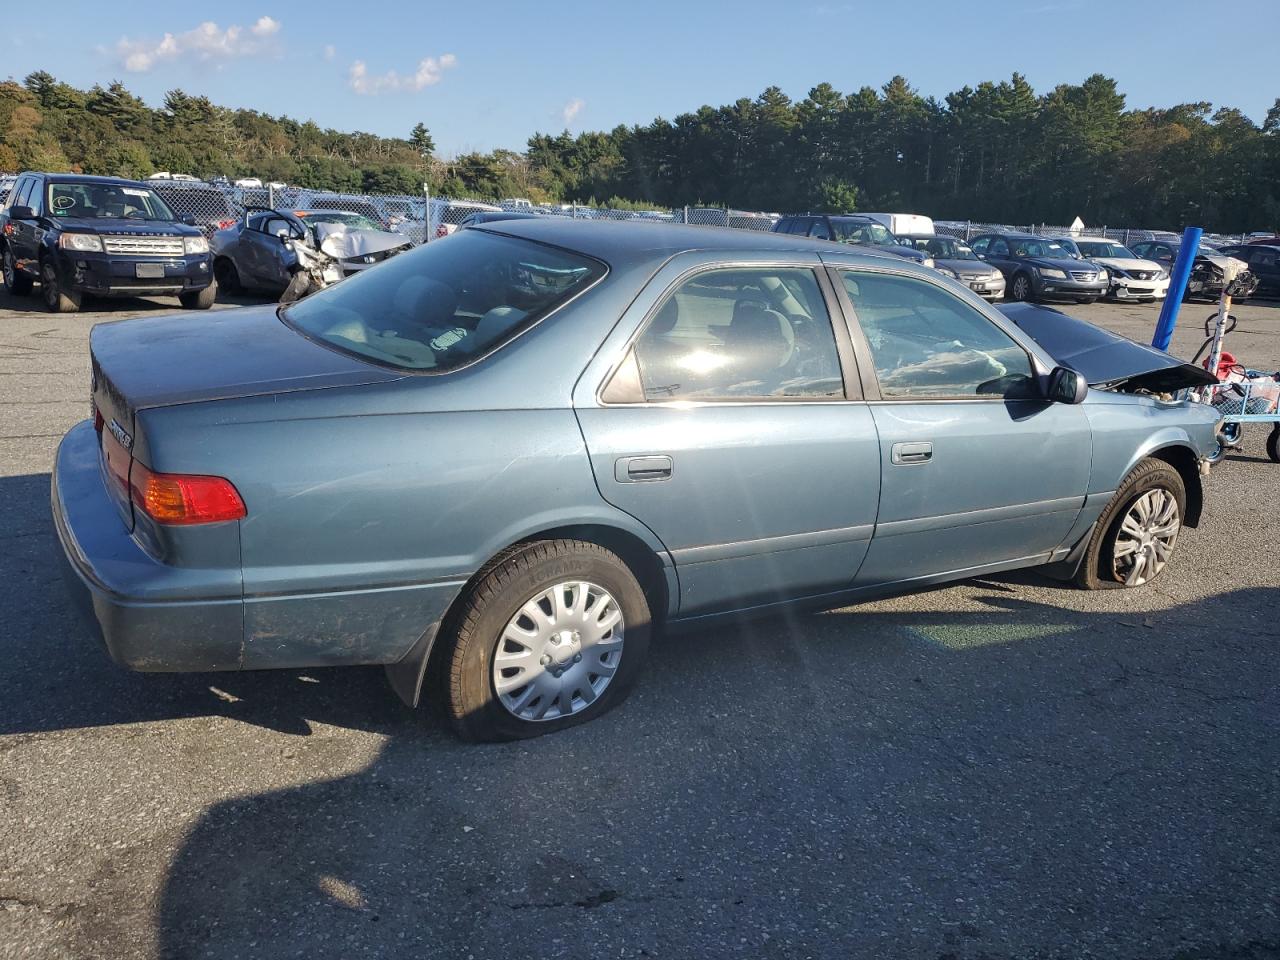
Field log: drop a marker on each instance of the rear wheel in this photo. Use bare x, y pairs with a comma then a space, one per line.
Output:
1135, 537
18, 284
56, 299
553, 634
201, 299
1273, 443
1020, 289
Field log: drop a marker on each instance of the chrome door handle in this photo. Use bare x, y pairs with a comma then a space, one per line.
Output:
643, 469
904, 454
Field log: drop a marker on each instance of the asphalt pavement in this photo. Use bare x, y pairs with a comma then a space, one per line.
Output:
1004, 768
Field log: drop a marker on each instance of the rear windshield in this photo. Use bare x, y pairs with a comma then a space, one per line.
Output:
864, 232
446, 303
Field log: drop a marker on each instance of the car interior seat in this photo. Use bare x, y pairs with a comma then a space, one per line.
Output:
761, 342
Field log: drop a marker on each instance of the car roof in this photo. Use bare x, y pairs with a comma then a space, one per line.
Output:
89, 178
628, 242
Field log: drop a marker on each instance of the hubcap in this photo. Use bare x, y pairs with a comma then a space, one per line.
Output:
1020, 288
1146, 537
559, 652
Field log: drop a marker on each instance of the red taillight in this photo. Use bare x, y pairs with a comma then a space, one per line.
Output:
98, 422
223, 224
442, 231
179, 499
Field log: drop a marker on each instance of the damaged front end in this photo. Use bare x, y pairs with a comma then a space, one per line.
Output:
1107, 360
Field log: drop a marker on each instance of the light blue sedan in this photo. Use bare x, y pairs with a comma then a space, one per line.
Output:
497, 463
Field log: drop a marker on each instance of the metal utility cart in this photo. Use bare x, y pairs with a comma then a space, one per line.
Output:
1249, 400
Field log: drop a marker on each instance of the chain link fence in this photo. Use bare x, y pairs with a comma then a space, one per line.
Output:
423, 218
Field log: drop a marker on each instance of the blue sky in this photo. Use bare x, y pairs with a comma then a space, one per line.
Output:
488, 74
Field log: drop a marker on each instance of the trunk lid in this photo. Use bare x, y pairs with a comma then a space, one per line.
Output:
161, 361
1105, 359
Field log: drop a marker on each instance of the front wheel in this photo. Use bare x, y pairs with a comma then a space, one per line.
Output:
56, 299
1137, 533
201, 299
1020, 289
18, 284
552, 634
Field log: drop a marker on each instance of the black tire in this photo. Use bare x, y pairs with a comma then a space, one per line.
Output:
201, 299
462, 684
1218, 453
1097, 568
17, 284
1273, 444
227, 276
1020, 288
56, 299
1086, 300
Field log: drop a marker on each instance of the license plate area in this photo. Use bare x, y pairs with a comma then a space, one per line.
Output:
149, 271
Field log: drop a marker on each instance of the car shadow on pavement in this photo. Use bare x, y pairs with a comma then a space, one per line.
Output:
1021, 780
123, 307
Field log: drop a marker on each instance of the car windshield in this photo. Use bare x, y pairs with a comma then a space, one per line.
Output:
1100, 249
353, 220
444, 304
1039, 248
862, 231
102, 200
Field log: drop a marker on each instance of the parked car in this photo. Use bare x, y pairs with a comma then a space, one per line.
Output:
1040, 268
1131, 277
446, 215
852, 229
499, 462
493, 216
903, 224
258, 251
1208, 270
1264, 263
204, 203
77, 234
955, 255
351, 204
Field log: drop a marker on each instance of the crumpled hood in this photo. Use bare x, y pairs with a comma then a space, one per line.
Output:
1223, 262
1105, 359
342, 243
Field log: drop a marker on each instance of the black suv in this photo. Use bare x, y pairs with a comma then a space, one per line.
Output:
850, 228
78, 234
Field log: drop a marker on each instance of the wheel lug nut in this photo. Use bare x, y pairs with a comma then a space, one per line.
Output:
546, 658
577, 658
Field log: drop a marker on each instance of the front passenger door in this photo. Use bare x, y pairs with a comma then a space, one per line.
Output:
976, 469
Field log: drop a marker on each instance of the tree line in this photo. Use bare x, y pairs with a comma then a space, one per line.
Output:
996, 152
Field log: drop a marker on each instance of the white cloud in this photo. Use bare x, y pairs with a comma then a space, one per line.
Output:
429, 72
330, 51
571, 110
206, 42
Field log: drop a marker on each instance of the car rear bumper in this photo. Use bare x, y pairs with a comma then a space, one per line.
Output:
987, 289
158, 617
151, 616
114, 275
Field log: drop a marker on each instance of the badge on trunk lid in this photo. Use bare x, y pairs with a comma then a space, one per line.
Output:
120, 433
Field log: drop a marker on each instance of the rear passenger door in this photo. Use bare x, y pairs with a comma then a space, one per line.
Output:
724, 413
976, 470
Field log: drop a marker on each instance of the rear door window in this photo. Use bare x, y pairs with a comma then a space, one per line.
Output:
759, 333
819, 230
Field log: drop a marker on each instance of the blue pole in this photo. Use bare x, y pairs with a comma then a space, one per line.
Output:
1177, 287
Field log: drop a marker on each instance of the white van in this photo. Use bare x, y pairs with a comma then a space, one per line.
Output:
911, 224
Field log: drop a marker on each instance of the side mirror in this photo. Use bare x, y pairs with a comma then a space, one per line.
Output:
189, 219
21, 213
980, 256
1066, 386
